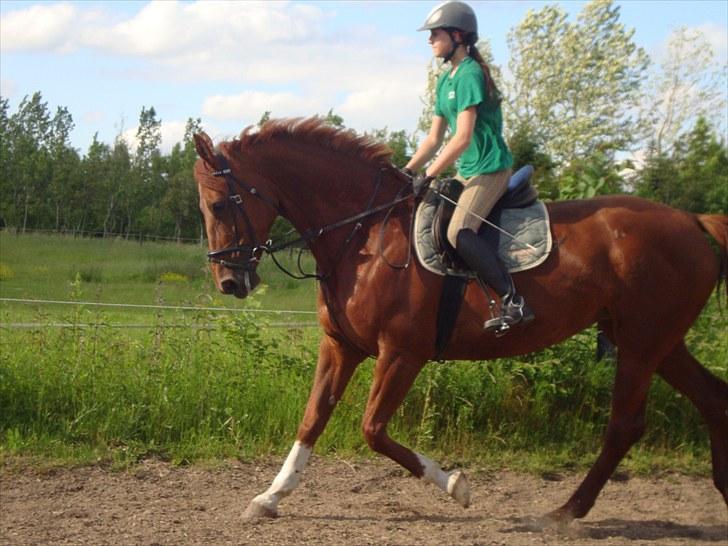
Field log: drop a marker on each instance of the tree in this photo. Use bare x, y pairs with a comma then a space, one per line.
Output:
141, 197
334, 119
401, 144
575, 85
585, 177
64, 190
95, 177
689, 84
693, 177
6, 182
180, 198
526, 151
28, 139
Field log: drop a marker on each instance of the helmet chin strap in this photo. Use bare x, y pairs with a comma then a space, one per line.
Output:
455, 46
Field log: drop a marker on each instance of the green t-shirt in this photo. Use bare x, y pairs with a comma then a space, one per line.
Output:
488, 152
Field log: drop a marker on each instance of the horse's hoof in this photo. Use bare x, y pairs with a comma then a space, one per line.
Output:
258, 511
559, 519
458, 488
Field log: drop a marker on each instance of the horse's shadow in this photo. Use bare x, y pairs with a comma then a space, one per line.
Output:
653, 530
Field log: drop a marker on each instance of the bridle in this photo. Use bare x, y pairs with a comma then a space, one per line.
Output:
252, 253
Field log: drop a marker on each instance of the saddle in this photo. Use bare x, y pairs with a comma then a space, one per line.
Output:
518, 213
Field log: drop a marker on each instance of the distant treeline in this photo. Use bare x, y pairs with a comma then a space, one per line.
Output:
111, 190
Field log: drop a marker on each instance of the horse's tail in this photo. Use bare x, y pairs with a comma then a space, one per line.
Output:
716, 225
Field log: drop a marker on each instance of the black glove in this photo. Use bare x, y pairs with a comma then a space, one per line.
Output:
420, 184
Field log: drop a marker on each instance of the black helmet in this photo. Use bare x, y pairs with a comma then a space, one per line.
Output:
452, 15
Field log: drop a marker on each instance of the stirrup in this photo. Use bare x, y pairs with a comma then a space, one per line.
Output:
513, 311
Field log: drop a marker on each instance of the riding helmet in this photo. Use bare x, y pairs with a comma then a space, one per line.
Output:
452, 15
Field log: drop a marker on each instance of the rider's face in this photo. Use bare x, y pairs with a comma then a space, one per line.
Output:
440, 42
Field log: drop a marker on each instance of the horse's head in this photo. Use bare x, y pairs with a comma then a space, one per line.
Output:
238, 209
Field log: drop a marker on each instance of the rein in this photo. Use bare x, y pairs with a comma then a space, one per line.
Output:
254, 251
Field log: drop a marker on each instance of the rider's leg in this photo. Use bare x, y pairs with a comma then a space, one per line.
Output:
480, 195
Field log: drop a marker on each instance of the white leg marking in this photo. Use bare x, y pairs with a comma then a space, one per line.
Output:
453, 483
287, 479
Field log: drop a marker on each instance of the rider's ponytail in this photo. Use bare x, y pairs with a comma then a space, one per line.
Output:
494, 94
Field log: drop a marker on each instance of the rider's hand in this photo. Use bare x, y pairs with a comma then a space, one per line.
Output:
420, 184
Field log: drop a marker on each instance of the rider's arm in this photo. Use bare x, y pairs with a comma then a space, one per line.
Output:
430, 144
465, 125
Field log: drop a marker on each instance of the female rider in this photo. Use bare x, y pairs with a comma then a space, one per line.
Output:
468, 101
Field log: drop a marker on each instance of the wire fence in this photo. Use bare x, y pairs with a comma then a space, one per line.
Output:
31, 325
100, 234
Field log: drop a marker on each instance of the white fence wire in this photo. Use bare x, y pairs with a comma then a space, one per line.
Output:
30, 325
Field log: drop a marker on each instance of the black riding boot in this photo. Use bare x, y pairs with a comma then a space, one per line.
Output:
483, 260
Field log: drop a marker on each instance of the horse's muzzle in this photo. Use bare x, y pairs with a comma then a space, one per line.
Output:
239, 283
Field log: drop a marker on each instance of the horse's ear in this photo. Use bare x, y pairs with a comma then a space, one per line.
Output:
205, 149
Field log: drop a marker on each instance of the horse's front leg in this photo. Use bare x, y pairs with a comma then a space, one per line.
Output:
393, 377
336, 364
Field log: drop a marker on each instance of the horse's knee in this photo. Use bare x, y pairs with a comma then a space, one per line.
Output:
375, 435
627, 432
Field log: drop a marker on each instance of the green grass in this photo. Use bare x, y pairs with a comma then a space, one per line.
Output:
200, 385
119, 271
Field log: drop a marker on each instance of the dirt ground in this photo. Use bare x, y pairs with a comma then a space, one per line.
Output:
343, 503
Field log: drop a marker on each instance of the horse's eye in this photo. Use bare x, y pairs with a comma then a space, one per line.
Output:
218, 207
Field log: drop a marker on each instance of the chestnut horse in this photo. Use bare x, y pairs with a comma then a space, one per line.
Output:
641, 270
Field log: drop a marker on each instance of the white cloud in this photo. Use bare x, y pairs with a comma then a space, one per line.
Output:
167, 29
393, 103
284, 55
39, 27
250, 105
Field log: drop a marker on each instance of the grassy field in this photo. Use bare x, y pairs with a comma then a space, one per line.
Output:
118, 384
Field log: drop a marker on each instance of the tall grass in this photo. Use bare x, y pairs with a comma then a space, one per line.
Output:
207, 385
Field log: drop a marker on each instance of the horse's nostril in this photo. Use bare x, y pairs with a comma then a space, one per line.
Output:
228, 286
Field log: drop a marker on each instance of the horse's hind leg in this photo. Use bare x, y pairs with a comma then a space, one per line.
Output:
710, 395
626, 426
393, 377
336, 364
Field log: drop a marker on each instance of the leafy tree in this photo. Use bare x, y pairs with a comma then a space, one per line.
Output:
120, 173
180, 197
6, 182
693, 177
690, 84
401, 144
265, 117
334, 119
95, 177
586, 177
526, 151
28, 138
576, 85
64, 190
141, 196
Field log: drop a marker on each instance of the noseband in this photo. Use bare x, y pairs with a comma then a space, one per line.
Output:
252, 253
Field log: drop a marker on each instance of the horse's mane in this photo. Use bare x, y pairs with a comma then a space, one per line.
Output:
316, 131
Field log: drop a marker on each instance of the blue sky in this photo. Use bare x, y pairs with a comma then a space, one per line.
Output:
229, 61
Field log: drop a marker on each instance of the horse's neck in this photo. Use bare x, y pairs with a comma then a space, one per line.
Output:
317, 191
